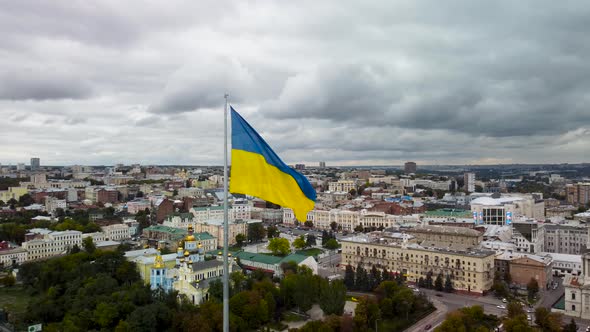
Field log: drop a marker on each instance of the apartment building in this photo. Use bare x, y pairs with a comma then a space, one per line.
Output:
236, 211
342, 185
11, 255
578, 194
446, 236
116, 232
52, 243
470, 271
348, 220
529, 236
565, 239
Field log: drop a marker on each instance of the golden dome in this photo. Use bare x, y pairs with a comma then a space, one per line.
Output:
229, 255
190, 238
200, 245
159, 262
186, 253
182, 260
190, 261
219, 253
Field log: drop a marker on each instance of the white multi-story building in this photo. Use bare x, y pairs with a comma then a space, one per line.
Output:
188, 192
529, 236
565, 239
469, 182
116, 232
342, 185
136, 205
564, 264
12, 256
52, 243
237, 211
349, 220
52, 204
435, 185
499, 210
96, 236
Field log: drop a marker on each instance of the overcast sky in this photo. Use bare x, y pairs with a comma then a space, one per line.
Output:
363, 83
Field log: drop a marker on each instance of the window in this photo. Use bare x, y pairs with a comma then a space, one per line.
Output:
573, 307
573, 296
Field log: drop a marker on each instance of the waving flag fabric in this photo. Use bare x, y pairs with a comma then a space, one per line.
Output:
257, 171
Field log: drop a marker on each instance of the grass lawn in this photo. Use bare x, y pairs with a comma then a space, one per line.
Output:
310, 252
15, 301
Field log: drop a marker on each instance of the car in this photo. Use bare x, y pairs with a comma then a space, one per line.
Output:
529, 317
416, 290
438, 294
427, 327
504, 300
588, 329
501, 306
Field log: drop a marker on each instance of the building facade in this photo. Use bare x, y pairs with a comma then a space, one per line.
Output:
348, 220
470, 271
565, 239
342, 186
52, 244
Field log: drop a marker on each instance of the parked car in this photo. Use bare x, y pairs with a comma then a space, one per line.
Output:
501, 307
427, 327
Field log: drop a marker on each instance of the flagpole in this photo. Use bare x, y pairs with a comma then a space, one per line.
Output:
225, 226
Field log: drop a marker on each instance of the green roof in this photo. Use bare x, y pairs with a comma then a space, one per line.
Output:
166, 229
269, 259
260, 258
448, 213
203, 236
297, 258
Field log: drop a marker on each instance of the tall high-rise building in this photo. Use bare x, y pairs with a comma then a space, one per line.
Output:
20, 167
410, 167
35, 164
469, 182
322, 164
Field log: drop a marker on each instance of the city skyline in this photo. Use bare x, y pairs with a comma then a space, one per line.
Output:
364, 84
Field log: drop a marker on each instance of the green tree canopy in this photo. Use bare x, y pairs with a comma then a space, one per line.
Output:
279, 246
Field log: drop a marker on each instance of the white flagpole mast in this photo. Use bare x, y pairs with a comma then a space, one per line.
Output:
225, 226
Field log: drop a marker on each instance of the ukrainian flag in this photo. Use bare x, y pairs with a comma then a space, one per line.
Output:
257, 171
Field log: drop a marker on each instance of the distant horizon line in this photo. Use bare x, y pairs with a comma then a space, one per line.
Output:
310, 166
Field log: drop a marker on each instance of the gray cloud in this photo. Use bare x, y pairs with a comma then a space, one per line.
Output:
349, 83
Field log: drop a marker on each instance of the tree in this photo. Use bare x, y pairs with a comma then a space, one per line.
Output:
88, 244
175, 192
334, 226
571, 326
438, 283
256, 232
366, 314
310, 241
358, 228
308, 223
428, 282
532, 288
349, 277
272, 231
332, 244
26, 200
279, 246
448, 284
515, 309
517, 324
8, 280
139, 194
352, 192
333, 297
299, 243
240, 239
361, 281
2, 203
548, 321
